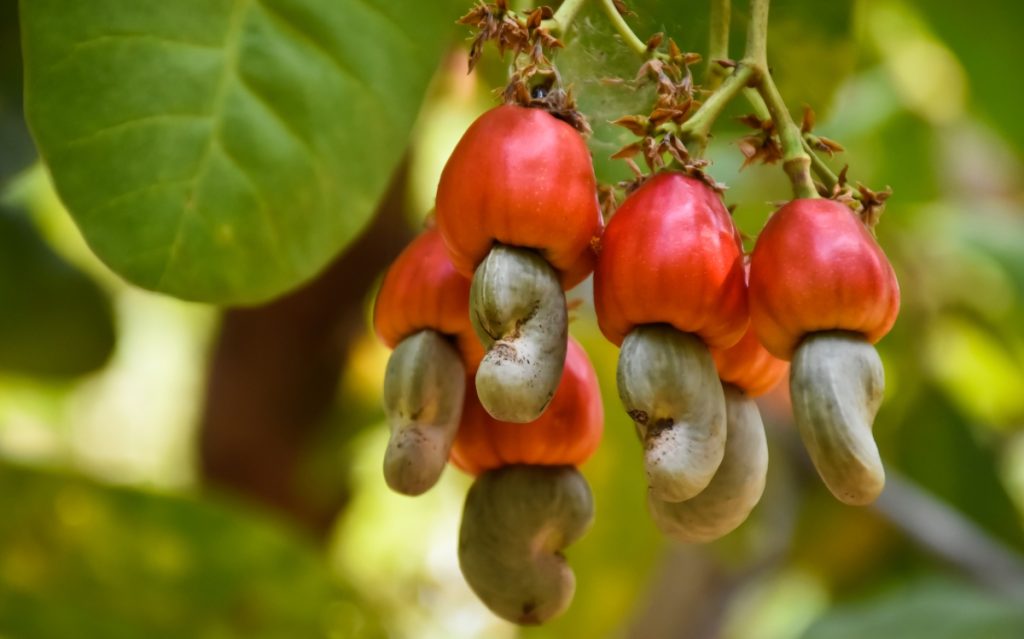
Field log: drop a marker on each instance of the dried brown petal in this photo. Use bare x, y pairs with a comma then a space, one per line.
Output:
621, 7
761, 148
636, 124
755, 122
661, 115
828, 146
674, 51
627, 151
807, 124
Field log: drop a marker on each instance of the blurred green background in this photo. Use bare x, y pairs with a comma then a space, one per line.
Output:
171, 469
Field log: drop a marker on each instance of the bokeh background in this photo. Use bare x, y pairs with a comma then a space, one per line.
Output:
170, 469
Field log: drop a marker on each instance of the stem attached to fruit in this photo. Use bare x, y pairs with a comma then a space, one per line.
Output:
669, 386
621, 27
836, 383
697, 129
424, 385
795, 160
518, 310
718, 43
563, 18
516, 522
736, 487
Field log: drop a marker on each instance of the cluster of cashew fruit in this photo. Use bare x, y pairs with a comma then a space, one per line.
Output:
699, 340
483, 372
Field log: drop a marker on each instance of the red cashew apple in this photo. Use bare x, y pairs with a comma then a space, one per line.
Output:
422, 313
669, 282
821, 293
517, 206
528, 502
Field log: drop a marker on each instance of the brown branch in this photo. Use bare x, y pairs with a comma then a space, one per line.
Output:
275, 369
950, 536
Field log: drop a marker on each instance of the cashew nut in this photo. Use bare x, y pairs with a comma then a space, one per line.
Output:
516, 521
669, 386
836, 383
424, 385
736, 487
518, 310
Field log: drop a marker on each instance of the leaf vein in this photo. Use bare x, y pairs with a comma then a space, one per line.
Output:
325, 51
134, 193
108, 38
273, 231
390, 20
277, 116
155, 118
230, 48
303, 141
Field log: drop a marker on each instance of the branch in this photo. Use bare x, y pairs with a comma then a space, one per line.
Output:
949, 535
622, 27
564, 16
718, 43
795, 160
697, 129
274, 372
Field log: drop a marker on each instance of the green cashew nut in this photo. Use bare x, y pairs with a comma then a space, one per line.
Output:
518, 310
736, 487
669, 386
516, 521
836, 382
424, 385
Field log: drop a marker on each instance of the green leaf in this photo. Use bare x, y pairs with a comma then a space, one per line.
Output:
225, 150
84, 560
55, 321
929, 610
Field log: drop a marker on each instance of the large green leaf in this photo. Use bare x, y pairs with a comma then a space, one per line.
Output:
54, 321
225, 150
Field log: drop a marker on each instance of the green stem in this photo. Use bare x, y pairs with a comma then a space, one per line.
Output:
697, 128
795, 160
757, 33
560, 22
756, 103
718, 43
622, 27
822, 170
